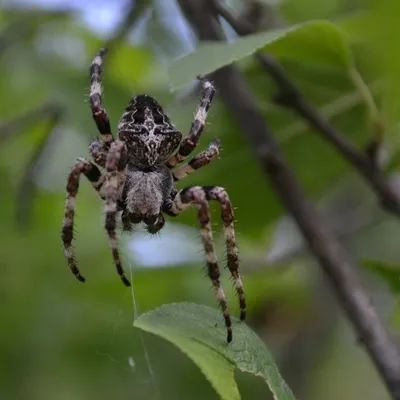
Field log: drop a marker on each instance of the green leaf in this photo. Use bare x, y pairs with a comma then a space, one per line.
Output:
389, 273
199, 332
316, 42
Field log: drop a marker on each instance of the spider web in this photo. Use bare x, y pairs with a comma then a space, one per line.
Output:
143, 343
130, 360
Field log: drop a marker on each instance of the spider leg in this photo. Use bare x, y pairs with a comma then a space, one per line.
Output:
201, 160
115, 166
93, 174
99, 113
98, 150
200, 197
219, 194
190, 141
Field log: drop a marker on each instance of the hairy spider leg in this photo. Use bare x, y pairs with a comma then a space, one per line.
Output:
201, 160
219, 194
115, 178
190, 141
200, 197
99, 113
98, 151
93, 174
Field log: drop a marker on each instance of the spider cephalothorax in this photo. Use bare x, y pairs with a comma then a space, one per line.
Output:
139, 181
148, 133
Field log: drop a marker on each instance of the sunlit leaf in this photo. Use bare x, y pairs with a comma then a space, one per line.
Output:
199, 332
315, 42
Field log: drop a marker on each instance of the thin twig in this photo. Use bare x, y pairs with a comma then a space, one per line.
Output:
27, 188
290, 96
49, 112
336, 263
16, 123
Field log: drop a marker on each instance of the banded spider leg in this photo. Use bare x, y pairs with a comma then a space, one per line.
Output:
200, 196
99, 113
93, 174
199, 161
115, 179
189, 142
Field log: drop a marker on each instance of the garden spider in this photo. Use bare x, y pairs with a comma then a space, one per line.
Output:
139, 182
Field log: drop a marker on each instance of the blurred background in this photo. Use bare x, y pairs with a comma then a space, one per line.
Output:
60, 339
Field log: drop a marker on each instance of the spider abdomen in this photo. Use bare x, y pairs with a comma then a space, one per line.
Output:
146, 191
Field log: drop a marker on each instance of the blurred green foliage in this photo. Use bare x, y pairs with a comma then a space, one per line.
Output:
60, 339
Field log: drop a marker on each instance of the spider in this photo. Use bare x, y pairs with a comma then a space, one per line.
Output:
139, 180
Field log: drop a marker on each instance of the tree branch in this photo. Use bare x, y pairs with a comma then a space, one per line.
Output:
290, 96
51, 113
16, 123
336, 263
27, 187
